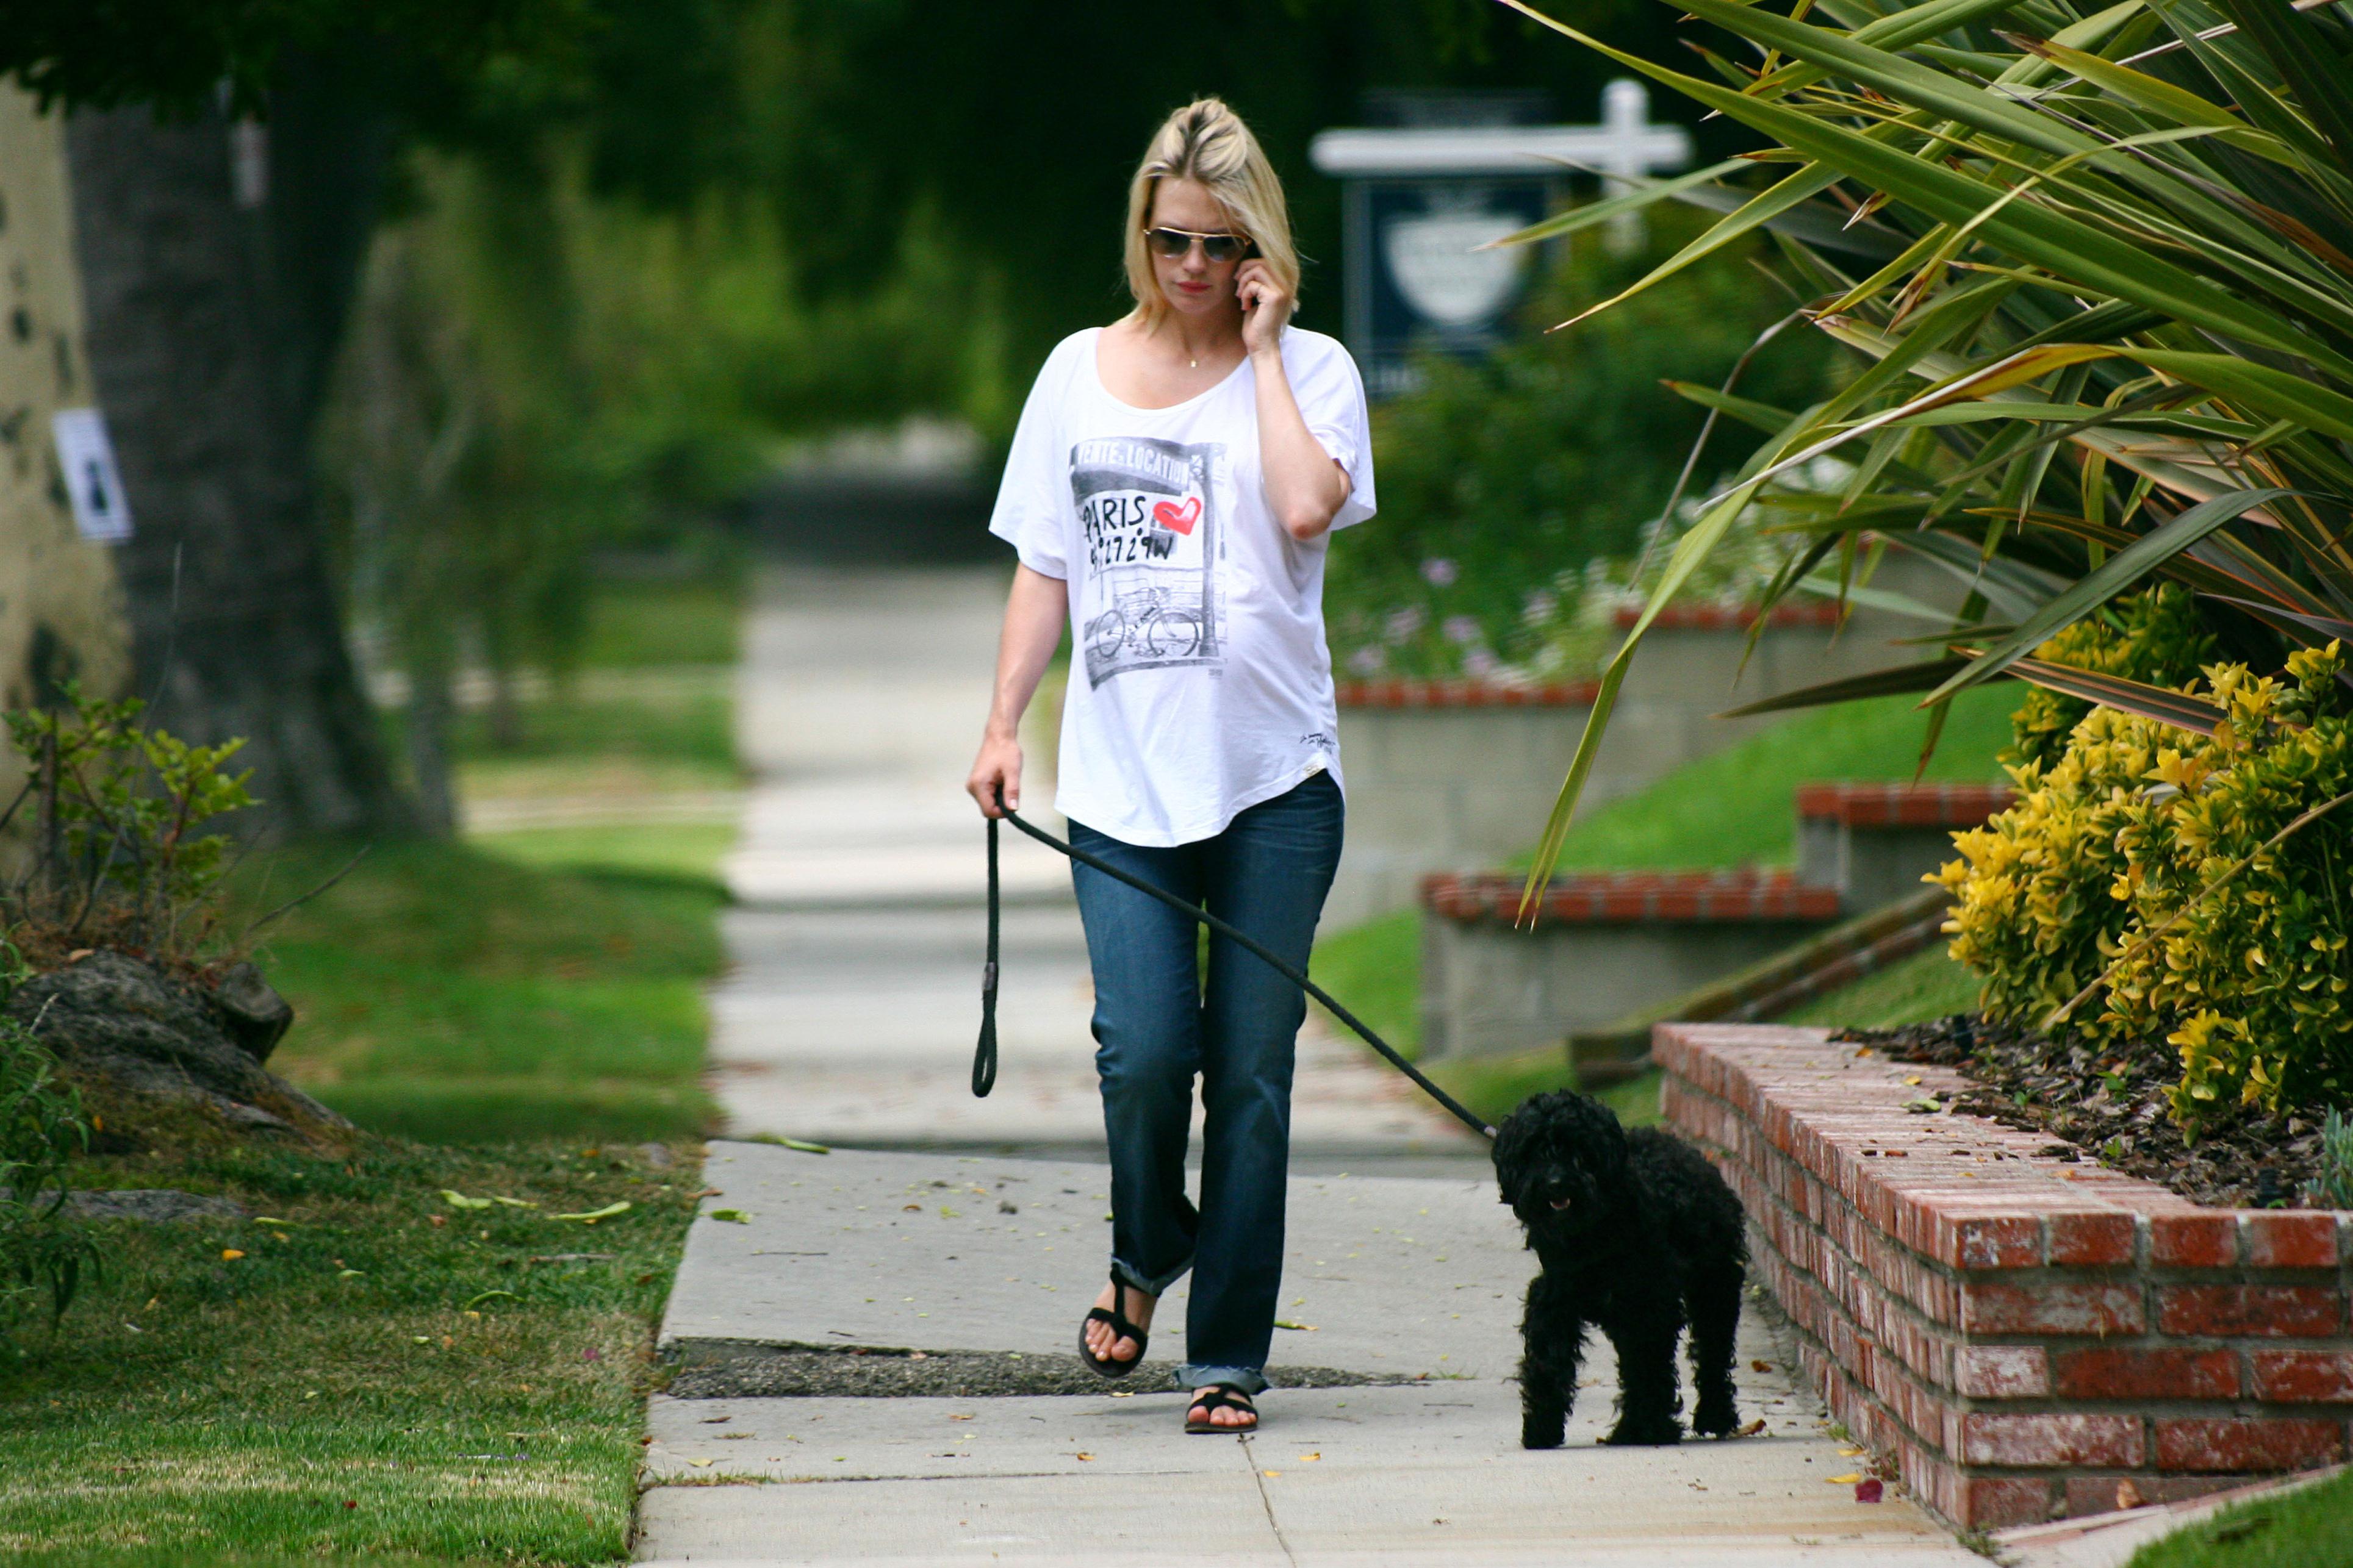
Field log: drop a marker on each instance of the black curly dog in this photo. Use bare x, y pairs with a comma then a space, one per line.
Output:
1638, 1236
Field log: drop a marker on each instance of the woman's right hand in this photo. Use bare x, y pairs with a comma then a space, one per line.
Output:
998, 767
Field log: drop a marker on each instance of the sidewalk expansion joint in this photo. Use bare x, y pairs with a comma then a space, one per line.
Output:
1258, 1479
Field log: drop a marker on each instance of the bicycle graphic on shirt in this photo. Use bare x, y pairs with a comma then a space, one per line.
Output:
1148, 527
1153, 614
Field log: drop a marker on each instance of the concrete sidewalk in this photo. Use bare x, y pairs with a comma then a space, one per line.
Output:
1406, 1291
848, 1013
875, 1364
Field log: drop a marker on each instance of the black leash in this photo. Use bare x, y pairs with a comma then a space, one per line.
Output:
983, 1056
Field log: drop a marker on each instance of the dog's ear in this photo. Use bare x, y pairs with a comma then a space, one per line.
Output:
1510, 1162
1606, 1141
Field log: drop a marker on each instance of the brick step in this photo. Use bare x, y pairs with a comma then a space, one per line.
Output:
1635, 897
1871, 804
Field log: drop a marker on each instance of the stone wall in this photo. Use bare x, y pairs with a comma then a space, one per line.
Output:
61, 612
2026, 1337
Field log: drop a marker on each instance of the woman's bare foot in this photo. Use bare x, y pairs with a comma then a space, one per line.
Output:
1228, 1410
1130, 1303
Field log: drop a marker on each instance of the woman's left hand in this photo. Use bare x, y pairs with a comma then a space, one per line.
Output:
1265, 307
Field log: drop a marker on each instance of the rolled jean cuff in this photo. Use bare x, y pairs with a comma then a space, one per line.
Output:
1129, 1274
1249, 1379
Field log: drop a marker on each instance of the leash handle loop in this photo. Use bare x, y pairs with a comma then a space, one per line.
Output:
988, 1048
984, 1052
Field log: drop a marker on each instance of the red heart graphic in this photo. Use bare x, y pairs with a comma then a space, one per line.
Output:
1168, 514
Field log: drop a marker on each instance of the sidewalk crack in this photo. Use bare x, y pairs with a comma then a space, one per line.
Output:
1250, 1452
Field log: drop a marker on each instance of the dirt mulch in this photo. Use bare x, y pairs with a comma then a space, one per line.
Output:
789, 1373
2105, 1108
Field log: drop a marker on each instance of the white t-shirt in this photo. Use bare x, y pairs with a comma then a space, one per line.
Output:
1200, 684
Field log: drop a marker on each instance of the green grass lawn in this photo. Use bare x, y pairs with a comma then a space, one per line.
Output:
2303, 1529
389, 1377
635, 623
1928, 985
677, 851
453, 995
361, 1380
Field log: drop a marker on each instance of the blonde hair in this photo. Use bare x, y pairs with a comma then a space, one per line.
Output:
1207, 142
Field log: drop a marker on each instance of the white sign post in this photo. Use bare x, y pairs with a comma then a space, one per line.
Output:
93, 487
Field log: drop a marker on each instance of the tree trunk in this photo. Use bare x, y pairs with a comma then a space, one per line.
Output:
212, 307
429, 706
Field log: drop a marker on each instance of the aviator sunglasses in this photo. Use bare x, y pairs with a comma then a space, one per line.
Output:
1173, 243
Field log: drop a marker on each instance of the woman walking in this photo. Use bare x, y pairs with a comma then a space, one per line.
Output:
1170, 491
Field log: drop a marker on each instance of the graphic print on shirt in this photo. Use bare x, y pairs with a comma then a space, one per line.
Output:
1147, 517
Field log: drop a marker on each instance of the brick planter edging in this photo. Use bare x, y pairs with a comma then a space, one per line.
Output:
2018, 1332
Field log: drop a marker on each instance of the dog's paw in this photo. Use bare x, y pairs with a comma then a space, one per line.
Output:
1716, 1420
1541, 1437
1657, 1433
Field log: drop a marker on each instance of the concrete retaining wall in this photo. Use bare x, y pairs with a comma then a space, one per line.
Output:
1456, 775
1605, 944
2026, 1339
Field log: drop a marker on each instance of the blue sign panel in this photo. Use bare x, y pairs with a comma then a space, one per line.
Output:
1418, 279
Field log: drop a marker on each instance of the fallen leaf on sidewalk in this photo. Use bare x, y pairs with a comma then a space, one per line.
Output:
1755, 1428
1869, 1491
1303, 1328
1849, 1452
1087, 1457
701, 1464
732, 1216
800, 1145
959, 1417
1842, 1481
1311, 1459
1760, 1366
1270, 1472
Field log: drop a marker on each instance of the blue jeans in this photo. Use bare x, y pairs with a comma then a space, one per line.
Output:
1159, 1020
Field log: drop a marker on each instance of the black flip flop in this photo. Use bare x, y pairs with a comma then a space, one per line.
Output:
1105, 1366
1217, 1396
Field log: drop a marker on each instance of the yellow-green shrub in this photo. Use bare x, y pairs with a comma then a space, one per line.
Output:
2153, 636
2138, 823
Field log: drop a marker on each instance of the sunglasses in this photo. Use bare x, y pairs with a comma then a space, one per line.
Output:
1173, 243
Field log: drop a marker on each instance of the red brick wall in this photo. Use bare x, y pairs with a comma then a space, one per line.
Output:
2019, 1333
